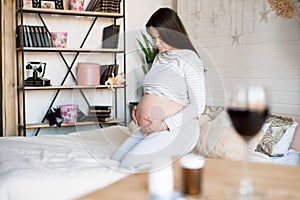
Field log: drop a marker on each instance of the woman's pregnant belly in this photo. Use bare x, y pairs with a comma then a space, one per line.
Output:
155, 107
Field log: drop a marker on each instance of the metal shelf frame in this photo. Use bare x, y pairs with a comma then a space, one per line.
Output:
76, 51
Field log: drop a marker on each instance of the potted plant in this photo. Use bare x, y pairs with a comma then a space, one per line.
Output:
149, 51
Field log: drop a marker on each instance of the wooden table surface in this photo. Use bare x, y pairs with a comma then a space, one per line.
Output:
280, 182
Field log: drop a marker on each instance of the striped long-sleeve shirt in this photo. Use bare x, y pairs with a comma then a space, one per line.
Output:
179, 76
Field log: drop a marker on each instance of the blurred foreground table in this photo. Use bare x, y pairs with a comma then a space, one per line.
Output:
277, 181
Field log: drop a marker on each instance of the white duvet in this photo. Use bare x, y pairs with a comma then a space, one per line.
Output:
58, 166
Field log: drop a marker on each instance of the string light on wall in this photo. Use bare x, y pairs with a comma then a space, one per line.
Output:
214, 16
221, 10
237, 32
264, 13
199, 8
218, 11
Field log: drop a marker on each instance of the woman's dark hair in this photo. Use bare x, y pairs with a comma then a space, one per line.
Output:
170, 28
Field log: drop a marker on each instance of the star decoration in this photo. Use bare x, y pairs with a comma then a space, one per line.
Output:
221, 7
264, 14
213, 19
199, 9
236, 37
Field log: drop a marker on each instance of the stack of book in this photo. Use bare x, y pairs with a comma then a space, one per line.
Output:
99, 113
32, 36
110, 38
109, 6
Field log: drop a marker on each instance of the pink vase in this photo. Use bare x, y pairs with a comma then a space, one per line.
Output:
88, 73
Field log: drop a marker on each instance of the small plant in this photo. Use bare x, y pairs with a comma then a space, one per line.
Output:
149, 50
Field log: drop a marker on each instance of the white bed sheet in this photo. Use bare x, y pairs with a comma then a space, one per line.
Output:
56, 167
291, 158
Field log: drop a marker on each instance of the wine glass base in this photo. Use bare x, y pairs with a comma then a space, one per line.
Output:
234, 194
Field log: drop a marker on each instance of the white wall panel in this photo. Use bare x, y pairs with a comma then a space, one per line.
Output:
268, 52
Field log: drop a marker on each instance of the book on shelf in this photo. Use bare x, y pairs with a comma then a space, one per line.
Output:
46, 37
20, 36
110, 38
100, 107
29, 38
33, 36
103, 119
100, 113
38, 36
23, 36
40, 31
107, 119
91, 5
109, 6
107, 71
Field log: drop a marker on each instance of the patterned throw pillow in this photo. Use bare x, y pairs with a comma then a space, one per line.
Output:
275, 128
213, 111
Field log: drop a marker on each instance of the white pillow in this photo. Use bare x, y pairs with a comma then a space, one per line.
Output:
222, 118
282, 147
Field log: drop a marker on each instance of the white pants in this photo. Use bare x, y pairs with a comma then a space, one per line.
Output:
139, 150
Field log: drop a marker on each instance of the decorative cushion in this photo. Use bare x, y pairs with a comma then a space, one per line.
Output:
295, 144
213, 111
279, 132
218, 140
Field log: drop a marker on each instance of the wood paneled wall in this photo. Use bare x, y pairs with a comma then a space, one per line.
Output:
268, 52
8, 66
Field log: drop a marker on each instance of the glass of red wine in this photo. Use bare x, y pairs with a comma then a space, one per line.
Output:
247, 109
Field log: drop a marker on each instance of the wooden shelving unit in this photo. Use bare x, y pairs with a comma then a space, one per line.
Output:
45, 125
21, 51
68, 87
71, 50
70, 12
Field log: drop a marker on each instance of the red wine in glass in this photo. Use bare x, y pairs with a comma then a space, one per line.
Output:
247, 109
247, 122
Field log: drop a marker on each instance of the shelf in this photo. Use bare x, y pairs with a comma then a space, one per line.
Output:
71, 50
70, 12
46, 125
67, 87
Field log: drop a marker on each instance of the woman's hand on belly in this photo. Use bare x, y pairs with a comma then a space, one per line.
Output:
133, 115
152, 110
154, 125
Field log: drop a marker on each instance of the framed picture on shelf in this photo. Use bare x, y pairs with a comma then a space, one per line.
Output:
27, 3
51, 4
59, 4
48, 4
36, 3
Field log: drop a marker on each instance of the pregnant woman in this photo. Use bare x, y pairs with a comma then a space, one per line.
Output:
174, 96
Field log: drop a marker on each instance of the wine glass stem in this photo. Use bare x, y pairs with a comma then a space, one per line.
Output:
246, 186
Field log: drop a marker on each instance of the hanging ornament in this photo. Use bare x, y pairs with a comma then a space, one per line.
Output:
254, 14
213, 18
264, 14
221, 9
199, 9
236, 37
237, 32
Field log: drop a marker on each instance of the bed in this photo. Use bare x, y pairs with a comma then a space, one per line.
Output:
59, 166
70, 166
